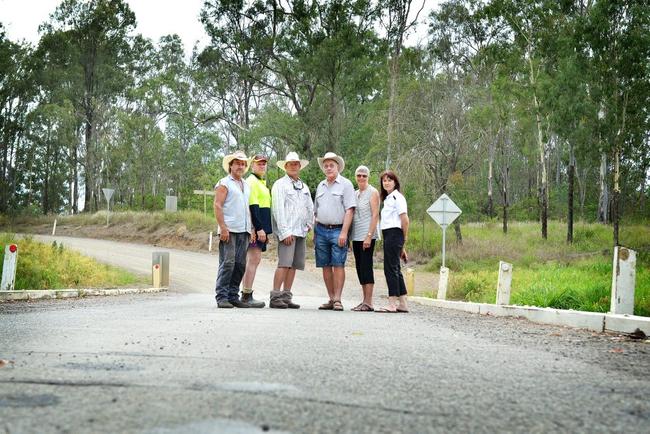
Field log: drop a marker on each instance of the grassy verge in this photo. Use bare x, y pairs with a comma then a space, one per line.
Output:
547, 273
195, 221
42, 266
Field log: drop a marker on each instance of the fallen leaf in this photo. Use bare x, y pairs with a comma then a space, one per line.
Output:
617, 350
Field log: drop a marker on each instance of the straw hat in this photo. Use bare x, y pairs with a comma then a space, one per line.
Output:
334, 157
292, 156
237, 155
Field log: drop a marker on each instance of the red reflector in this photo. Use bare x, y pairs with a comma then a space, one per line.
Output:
13, 248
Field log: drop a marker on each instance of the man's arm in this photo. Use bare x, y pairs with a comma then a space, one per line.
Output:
220, 194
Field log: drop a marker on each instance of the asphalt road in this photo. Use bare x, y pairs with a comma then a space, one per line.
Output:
173, 363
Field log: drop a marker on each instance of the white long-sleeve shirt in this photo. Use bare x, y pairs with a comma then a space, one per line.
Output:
292, 208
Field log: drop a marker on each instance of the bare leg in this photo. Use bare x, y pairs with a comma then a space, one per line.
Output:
253, 258
288, 279
279, 277
328, 277
367, 293
339, 281
392, 302
402, 303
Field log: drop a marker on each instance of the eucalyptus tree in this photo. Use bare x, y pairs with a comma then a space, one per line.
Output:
531, 24
397, 21
617, 35
89, 39
303, 58
468, 44
17, 89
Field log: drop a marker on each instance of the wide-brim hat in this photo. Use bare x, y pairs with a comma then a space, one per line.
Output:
292, 156
332, 156
237, 155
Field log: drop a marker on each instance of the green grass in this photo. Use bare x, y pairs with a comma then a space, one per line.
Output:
42, 266
546, 273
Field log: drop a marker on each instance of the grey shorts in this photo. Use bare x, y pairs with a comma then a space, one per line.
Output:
292, 256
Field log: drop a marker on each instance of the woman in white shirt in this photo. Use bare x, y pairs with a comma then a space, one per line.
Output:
394, 228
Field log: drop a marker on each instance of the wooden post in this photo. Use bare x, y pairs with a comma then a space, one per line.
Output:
156, 275
503, 284
9, 268
410, 281
442, 283
623, 281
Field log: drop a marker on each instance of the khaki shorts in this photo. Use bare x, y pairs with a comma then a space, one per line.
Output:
292, 256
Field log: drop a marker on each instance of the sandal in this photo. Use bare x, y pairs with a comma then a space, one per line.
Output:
336, 305
327, 306
385, 310
363, 307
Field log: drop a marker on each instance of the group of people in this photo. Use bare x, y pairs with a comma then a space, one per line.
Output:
247, 212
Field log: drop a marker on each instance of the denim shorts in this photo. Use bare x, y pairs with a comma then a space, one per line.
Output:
328, 252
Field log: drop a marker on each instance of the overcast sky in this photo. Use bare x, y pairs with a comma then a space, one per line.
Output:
156, 18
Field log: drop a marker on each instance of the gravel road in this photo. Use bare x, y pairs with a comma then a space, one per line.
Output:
173, 363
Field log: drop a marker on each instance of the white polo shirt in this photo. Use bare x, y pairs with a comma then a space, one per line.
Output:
394, 206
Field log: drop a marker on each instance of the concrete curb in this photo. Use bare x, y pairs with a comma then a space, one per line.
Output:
570, 318
49, 294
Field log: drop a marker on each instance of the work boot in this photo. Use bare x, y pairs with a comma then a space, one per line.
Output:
238, 303
247, 297
287, 298
277, 300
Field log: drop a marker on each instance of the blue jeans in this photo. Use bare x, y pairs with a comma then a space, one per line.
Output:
232, 264
328, 252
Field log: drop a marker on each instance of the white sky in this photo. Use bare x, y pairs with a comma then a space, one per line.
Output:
155, 18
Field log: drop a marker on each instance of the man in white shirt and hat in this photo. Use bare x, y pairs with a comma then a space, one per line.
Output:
293, 215
231, 210
333, 209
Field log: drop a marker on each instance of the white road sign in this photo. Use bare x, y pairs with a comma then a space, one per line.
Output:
108, 193
444, 211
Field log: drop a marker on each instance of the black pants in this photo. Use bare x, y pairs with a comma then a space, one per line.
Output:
393, 244
363, 261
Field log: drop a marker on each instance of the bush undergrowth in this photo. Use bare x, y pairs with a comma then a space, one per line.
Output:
42, 266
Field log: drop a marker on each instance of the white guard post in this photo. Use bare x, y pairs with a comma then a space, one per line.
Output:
503, 284
623, 281
442, 283
9, 268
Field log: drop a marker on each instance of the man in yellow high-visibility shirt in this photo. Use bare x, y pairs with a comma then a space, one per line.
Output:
260, 207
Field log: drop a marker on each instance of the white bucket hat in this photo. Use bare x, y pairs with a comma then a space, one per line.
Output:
237, 155
292, 156
332, 156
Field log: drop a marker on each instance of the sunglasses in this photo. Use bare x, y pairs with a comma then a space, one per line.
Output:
361, 176
297, 185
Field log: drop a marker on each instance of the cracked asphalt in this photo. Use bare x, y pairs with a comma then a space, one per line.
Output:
173, 363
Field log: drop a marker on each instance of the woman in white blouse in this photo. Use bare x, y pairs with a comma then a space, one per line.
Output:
394, 228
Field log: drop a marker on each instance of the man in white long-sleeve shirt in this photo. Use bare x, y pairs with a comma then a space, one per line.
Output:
292, 210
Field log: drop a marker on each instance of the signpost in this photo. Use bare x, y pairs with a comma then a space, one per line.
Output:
444, 211
205, 193
108, 193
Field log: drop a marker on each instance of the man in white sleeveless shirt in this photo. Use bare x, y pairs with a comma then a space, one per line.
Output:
232, 212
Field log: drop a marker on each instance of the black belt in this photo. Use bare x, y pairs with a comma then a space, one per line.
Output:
329, 226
